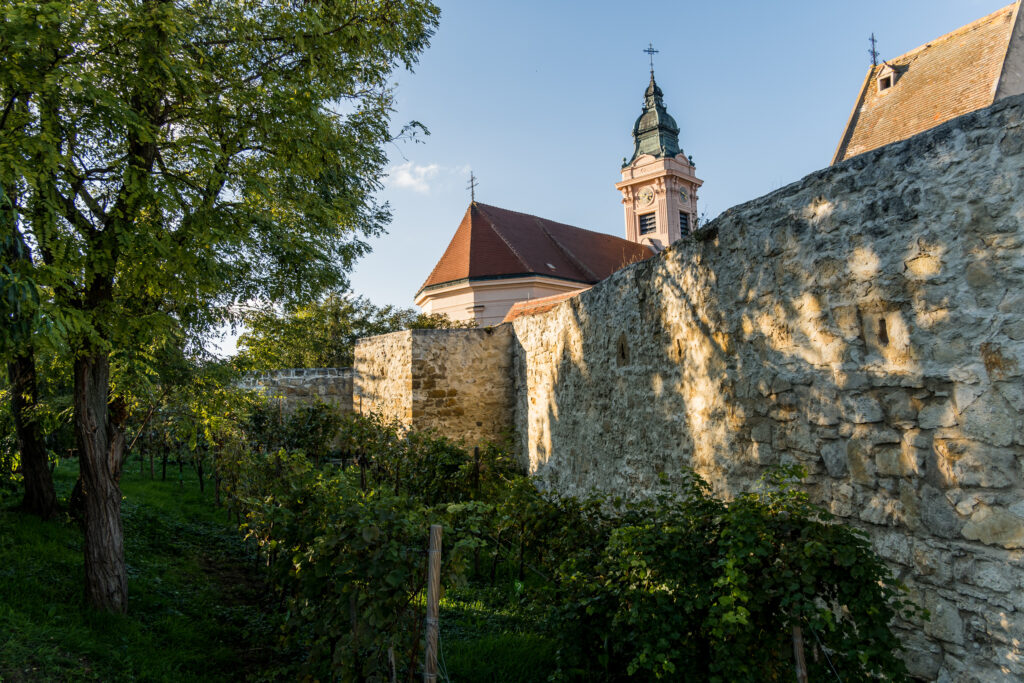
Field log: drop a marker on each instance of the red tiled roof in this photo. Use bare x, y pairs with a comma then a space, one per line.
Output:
946, 78
493, 243
535, 306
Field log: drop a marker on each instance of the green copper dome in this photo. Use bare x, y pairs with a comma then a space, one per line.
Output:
655, 132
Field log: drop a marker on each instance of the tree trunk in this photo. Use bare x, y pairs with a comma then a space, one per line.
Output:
199, 471
40, 498
100, 448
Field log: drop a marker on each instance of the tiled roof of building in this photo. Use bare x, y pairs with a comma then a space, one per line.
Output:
941, 80
493, 243
535, 306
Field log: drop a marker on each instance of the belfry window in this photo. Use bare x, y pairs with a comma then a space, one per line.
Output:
648, 224
684, 223
885, 82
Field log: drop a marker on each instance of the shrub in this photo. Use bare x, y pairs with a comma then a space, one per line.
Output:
309, 427
681, 586
686, 587
349, 564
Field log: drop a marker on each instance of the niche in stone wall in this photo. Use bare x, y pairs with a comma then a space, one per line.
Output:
885, 332
622, 351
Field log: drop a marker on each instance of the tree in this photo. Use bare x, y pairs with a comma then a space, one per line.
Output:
167, 160
323, 334
19, 310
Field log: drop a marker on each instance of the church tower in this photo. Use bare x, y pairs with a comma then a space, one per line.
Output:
659, 185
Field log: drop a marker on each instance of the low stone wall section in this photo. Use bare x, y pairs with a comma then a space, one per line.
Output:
866, 322
457, 382
298, 385
383, 377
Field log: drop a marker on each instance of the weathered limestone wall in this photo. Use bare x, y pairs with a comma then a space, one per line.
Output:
458, 382
462, 382
865, 321
383, 376
299, 385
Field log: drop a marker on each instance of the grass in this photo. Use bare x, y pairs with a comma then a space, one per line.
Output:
493, 636
194, 610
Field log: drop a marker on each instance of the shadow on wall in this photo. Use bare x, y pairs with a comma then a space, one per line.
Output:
865, 322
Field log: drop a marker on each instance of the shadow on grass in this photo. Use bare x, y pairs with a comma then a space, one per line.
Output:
195, 600
487, 638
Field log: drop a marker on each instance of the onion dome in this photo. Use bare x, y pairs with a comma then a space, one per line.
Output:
655, 132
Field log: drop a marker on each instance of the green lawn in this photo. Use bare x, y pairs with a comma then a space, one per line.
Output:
487, 638
194, 594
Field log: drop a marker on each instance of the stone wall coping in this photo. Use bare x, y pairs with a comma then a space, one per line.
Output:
381, 337
294, 373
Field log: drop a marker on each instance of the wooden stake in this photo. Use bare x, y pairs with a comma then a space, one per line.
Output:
433, 597
798, 655
476, 470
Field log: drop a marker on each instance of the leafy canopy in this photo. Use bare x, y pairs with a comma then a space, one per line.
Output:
323, 334
162, 160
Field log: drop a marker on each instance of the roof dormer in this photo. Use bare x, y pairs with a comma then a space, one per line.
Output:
886, 77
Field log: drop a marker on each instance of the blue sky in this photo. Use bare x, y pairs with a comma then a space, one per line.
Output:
539, 98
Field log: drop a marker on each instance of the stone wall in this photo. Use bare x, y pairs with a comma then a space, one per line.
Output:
383, 376
330, 385
866, 322
458, 382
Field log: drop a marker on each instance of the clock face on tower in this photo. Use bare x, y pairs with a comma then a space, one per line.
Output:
684, 196
645, 196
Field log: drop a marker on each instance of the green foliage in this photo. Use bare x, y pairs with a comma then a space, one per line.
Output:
310, 427
323, 334
10, 460
691, 588
189, 412
681, 586
162, 161
350, 563
431, 468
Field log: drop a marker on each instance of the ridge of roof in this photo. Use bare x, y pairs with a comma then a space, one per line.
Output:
852, 119
966, 28
459, 250
946, 77
492, 242
448, 249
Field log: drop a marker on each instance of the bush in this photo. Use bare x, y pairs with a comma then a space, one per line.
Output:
349, 564
431, 468
682, 586
310, 427
691, 588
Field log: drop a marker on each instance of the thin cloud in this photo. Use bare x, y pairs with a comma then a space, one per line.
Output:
426, 178
413, 176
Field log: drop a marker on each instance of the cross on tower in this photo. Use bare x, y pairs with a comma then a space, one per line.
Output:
471, 186
651, 52
873, 52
